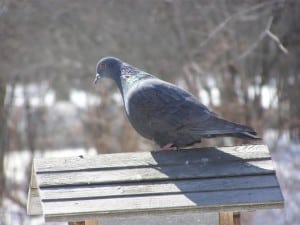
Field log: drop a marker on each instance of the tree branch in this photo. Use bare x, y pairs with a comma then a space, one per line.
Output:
262, 35
222, 25
277, 40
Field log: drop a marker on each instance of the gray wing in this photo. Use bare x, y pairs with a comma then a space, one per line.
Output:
161, 111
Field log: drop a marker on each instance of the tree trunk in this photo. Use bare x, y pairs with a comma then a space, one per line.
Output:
2, 138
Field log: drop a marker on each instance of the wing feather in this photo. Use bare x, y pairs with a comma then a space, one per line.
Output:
155, 106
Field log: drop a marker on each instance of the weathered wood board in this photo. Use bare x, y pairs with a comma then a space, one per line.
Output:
205, 179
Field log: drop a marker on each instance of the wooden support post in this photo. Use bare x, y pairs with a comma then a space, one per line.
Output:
229, 218
86, 222
237, 218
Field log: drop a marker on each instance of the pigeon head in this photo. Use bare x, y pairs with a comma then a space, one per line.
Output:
109, 67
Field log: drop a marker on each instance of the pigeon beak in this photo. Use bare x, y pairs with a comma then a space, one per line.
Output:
97, 78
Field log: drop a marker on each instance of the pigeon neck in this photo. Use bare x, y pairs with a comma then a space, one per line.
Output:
119, 84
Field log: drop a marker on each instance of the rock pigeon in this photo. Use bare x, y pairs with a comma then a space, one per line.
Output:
162, 112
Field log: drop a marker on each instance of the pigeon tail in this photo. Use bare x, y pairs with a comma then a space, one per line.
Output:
223, 127
248, 135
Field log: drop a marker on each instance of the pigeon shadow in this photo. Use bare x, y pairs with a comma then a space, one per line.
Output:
212, 177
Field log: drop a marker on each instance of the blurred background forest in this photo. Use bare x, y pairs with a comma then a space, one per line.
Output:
241, 58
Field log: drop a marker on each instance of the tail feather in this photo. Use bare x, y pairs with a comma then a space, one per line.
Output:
248, 135
220, 127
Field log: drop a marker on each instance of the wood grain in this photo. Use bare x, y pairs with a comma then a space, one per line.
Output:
167, 187
34, 206
140, 159
236, 200
172, 172
203, 180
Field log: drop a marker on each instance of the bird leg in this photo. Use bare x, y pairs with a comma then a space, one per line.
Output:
167, 147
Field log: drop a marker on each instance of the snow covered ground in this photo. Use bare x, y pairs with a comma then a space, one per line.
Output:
16, 164
287, 162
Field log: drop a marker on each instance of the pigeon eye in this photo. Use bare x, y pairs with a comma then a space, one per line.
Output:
102, 66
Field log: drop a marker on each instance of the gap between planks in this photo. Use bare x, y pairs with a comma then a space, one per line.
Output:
242, 199
167, 187
226, 169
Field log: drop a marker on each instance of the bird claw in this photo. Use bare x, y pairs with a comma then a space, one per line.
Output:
167, 147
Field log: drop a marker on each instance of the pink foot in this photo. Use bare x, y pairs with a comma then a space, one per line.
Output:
167, 147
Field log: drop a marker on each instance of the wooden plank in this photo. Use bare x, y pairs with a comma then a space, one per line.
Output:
33, 182
214, 201
208, 179
141, 159
168, 187
34, 206
206, 170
